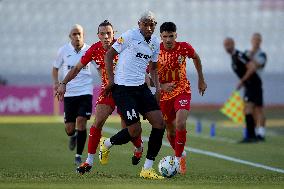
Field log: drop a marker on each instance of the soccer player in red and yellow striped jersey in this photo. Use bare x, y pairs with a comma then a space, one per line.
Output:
175, 87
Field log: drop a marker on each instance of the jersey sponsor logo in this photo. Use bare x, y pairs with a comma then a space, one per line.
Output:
88, 113
145, 56
120, 40
183, 102
131, 115
84, 68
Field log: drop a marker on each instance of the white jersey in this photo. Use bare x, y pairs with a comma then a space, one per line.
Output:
134, 56
260, 57
66, 59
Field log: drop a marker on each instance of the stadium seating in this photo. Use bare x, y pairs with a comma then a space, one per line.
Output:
32, 31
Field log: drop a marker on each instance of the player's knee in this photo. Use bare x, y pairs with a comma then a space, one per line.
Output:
159, 123
248, 108
135, 130
180, 124
81, 123
70, 131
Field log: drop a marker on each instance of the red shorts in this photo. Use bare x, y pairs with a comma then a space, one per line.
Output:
106, 100
171, 106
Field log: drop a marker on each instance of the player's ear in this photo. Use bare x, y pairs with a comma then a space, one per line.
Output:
175, 35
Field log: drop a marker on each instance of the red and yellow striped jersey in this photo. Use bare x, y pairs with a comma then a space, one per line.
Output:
172, 68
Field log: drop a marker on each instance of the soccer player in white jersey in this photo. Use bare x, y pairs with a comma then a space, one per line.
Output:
78, 96
136, 48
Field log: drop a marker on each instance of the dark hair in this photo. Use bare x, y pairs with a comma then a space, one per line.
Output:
168, 27
104, 23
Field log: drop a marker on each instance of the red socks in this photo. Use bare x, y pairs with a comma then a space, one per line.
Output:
180, 142
94, 139
137, 142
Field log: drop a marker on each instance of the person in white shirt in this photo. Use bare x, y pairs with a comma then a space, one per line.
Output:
79, 91
136, 48
258, 56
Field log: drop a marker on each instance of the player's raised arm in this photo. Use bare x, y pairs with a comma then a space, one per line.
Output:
198, 66
110, 55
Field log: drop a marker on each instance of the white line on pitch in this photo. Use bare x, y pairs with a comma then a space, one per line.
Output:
208, 153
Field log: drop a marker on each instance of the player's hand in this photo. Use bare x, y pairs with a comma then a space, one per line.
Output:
60, 91
168, 87
202, 86
240, 85
55, 86
108, 88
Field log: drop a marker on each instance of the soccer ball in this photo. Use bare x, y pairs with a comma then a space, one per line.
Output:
168, 166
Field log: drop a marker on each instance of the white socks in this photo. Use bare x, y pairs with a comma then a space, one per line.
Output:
148, 164
260, 131
90, 159
182, 155
108, 143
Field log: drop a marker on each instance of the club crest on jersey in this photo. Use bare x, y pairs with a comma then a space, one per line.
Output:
181, 59
120, 40
114, 61
183, 102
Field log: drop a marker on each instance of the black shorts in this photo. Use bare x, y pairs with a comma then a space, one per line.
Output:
254, 94
77, 106
132, 100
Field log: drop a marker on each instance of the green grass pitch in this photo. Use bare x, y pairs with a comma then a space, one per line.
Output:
35, 155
